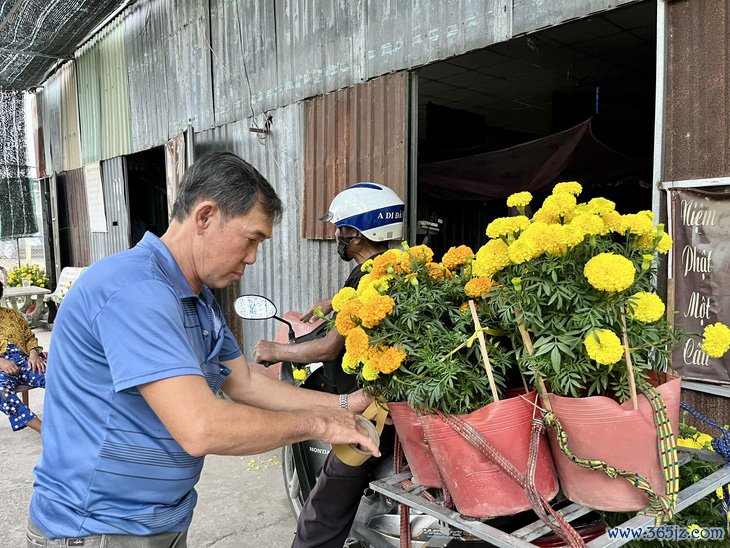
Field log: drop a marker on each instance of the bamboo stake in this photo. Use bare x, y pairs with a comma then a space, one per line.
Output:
483, 349
540, 383
629, 363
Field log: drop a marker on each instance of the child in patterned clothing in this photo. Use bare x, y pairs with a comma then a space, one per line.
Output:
22, 362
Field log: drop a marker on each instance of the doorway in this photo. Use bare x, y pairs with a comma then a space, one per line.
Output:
147, 189
486, 115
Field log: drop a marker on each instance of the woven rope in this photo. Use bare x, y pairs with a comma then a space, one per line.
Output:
541, 506
661, 507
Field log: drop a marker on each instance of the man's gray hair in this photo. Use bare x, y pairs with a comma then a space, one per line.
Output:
229, 181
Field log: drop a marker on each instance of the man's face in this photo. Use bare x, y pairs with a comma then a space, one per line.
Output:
227, 246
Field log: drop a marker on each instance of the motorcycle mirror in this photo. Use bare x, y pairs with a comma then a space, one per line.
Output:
254, 307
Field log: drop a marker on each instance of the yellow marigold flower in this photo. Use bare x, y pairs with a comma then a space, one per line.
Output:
519, 199
375, 309
689, 443
350, 364
569, 236
491, 258
437, 271
559, 205
545, 216
589, 224
646, 307
614, 221
600, 206
367, 266
342, 296
464, 307
610, 272
422, 253
523, 249
344, 322
638, 224
478, 287
603, 346
571, 187
390, 260
506, 226
357, 343
299, 374
716, 340
457, 256
383, 284
387, 359
369, 373
369, 292
365, 281
665, 243
645, 242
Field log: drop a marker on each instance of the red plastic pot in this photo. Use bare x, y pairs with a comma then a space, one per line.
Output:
601, 428
479, 487
411, 436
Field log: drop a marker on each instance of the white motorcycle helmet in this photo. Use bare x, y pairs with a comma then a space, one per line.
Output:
372, 209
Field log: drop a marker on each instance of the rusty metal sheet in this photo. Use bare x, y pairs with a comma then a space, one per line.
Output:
697, 125
76, 231
356, 134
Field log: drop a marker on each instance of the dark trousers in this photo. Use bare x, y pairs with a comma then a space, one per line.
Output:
328, 514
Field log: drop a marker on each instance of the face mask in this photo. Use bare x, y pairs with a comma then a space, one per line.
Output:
342, 243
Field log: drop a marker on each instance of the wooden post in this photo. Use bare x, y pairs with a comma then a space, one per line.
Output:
629, 363
483, 348
538, 379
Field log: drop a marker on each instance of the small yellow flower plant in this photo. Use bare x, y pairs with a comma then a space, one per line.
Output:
407, 330
579, 277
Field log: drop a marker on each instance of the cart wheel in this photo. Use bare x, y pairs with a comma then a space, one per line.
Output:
291, 481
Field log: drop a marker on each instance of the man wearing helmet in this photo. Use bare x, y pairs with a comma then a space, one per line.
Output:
366, 216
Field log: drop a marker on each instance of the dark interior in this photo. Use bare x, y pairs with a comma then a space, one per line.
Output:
600, 68
147, 193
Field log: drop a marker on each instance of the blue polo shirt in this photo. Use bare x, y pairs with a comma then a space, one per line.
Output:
108, 464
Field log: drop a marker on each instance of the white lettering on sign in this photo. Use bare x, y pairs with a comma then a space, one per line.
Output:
693, 354
695, 260
391, 215
696, 215
698, 307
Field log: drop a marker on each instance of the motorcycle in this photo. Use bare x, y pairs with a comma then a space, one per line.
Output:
377, 522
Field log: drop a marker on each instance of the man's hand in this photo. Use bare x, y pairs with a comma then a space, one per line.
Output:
9, 367
266, 351
358, 401
340, 427
37, 361
324, 304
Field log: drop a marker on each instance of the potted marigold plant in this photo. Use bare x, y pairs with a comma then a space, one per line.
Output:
411, 330
574, 285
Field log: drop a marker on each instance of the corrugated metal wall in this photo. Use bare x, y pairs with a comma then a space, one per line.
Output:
52, 135
70, 118
357, 134
530, 15
104, 95
293, 272
169, 65
697, 118
114, 185
71, 183
697, 123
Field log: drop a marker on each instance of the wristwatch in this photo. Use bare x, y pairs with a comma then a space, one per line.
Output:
343, 401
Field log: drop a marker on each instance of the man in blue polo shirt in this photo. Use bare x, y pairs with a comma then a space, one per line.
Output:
140, 349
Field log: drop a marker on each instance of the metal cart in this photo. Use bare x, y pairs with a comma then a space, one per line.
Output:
390, 487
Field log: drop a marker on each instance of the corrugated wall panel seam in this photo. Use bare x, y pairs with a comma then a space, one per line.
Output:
114, 186
70, 117
53, 136
79, 241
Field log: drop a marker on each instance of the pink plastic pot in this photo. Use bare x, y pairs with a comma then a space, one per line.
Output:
411, 436
479, 487
600, 428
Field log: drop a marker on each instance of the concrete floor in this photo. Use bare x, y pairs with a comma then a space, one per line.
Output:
241, 500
